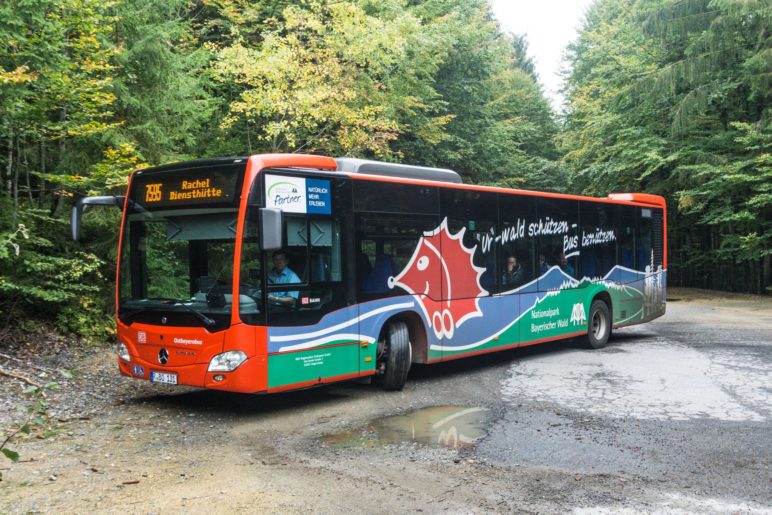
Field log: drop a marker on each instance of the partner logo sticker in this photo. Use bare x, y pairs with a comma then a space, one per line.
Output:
286, 193
298, 194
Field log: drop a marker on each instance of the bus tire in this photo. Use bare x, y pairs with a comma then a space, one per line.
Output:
599, 323
398, 354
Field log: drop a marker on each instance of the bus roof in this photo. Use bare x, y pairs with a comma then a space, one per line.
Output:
360, 169
352, 165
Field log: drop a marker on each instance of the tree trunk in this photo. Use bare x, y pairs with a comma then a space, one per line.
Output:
28, 179
9, 164
716, 282
16, 175
62, 152
43, 182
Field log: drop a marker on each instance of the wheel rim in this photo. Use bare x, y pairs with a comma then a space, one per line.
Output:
598, 325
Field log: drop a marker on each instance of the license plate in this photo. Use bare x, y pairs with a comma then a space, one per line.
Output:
163, 377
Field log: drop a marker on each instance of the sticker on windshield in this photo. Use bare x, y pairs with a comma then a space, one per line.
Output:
298, 194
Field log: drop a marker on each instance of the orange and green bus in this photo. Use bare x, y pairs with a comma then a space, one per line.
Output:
279, 272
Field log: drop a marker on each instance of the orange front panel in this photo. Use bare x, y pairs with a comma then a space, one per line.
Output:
185, 345
189, 351
250, 377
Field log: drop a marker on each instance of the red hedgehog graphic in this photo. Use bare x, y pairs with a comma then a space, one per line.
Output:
441, 269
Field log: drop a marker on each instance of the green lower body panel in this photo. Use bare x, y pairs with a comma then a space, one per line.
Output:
313, 364
553, 316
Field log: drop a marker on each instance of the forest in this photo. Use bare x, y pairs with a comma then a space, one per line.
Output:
661, 96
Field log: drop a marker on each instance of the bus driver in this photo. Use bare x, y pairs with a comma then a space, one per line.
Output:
282, 274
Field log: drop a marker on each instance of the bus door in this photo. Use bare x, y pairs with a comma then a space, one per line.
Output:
312, 330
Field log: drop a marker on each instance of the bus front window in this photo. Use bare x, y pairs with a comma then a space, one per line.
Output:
177, 267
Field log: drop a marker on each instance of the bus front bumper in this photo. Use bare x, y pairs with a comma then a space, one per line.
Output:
249, 377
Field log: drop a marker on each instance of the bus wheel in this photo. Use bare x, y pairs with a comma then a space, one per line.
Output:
599, 328
396, 356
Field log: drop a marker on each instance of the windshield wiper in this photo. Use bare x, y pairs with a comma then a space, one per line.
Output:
176, 302
205, 319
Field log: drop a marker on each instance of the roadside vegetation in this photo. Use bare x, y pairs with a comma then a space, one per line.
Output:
662, 96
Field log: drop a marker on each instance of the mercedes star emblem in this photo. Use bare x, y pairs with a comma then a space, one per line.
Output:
163, 320
163, 356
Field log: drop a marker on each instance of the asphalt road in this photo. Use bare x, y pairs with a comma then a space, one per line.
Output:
673, 416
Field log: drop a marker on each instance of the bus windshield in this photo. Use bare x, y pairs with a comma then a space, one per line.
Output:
178, 265
178, 248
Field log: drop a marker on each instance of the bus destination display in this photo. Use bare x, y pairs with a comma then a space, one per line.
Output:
188, 190
212, 187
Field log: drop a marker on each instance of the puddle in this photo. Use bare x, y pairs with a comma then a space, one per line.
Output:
456, 427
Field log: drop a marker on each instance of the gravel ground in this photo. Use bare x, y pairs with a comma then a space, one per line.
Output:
673, 416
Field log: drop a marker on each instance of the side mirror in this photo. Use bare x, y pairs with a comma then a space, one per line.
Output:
80, 205
270, 229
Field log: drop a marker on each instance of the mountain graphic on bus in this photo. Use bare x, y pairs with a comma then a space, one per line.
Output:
442, 268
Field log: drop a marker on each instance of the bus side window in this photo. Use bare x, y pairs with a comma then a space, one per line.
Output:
516, 213
645, 255
384, 248
479, 235
477, 213
296, 246
598, 240
325, 259
558, 240
626, 237
658, 237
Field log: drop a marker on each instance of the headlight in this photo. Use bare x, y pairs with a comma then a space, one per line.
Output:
227, 361
123, 352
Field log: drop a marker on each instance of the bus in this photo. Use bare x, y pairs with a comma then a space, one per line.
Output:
279, 272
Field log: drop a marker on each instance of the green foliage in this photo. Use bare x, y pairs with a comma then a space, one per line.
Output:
500, 126
8, 241
664, 96
672, 97
54, 68
318, 80
162, 81
109, 174
53, 282
735, 194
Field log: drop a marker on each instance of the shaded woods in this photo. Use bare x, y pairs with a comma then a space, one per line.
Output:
663, 97
672, 97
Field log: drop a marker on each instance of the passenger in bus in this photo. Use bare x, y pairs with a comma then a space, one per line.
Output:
543, 265
282, 274
378, 280
565, 265
514, 273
